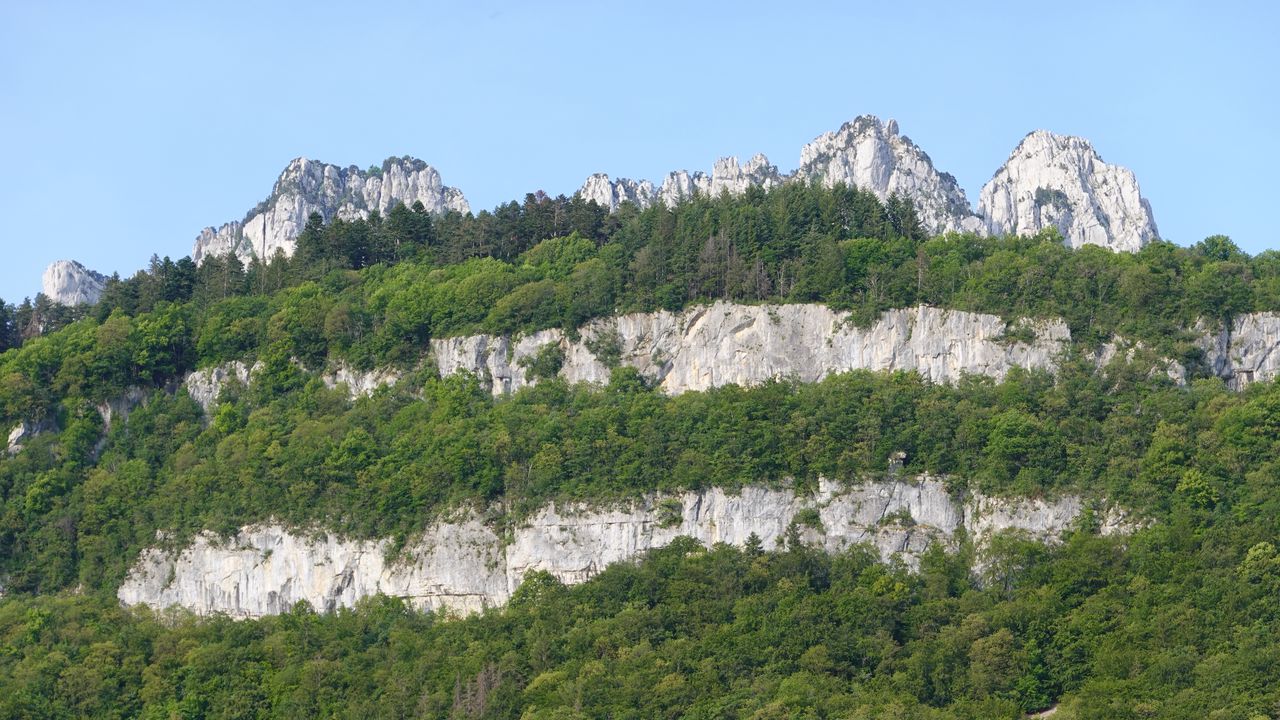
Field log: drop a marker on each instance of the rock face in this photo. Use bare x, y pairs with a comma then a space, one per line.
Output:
1057, 181
360, 383
1048, 181
871, 155
1246, 352
726, 176
462, 565
24, 432
69, 283
204, 386
307, 186
865, 152
710, 346
1127, 352
611, 193
117, 409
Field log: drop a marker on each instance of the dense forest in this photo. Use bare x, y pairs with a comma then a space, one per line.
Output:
1182, 619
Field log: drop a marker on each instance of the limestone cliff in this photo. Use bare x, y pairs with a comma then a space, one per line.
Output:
206, 384
1057, 181
710, 346
307, 186
725, 343
67, 282
461, 564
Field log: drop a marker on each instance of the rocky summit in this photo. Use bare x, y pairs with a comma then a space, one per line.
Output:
1058, 181
1049, 181
307, 186
872, 155
67, 282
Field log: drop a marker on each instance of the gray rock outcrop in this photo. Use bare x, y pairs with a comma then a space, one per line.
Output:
610, 194
1247, 351
1058, 181
727, 175
307, 186
117, 409
206, 385
724, 343
865, 153
67, 282
360, 383
462, 565
872, 155
1121, 349
24, 432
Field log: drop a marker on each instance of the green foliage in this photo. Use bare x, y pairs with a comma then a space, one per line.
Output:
1088, 626
545, 364
606, 346
1180, 620
1054, 198
288, 448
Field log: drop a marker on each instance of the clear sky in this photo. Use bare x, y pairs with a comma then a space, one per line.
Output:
127, 127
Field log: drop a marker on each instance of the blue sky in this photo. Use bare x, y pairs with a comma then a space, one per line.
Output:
127, 127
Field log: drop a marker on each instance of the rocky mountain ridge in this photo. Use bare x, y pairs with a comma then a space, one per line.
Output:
1048, 181
307, 186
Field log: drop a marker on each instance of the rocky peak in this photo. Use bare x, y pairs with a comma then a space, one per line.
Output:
70, 283
1060, 181
308, 186
610, 194
1049, 181
864, 152
727, 175
873, 156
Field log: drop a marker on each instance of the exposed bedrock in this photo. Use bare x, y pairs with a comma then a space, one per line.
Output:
461, 564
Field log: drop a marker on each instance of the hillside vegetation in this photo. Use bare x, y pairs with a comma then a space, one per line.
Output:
1179, 620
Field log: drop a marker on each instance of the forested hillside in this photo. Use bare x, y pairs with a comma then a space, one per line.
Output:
1178, 619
